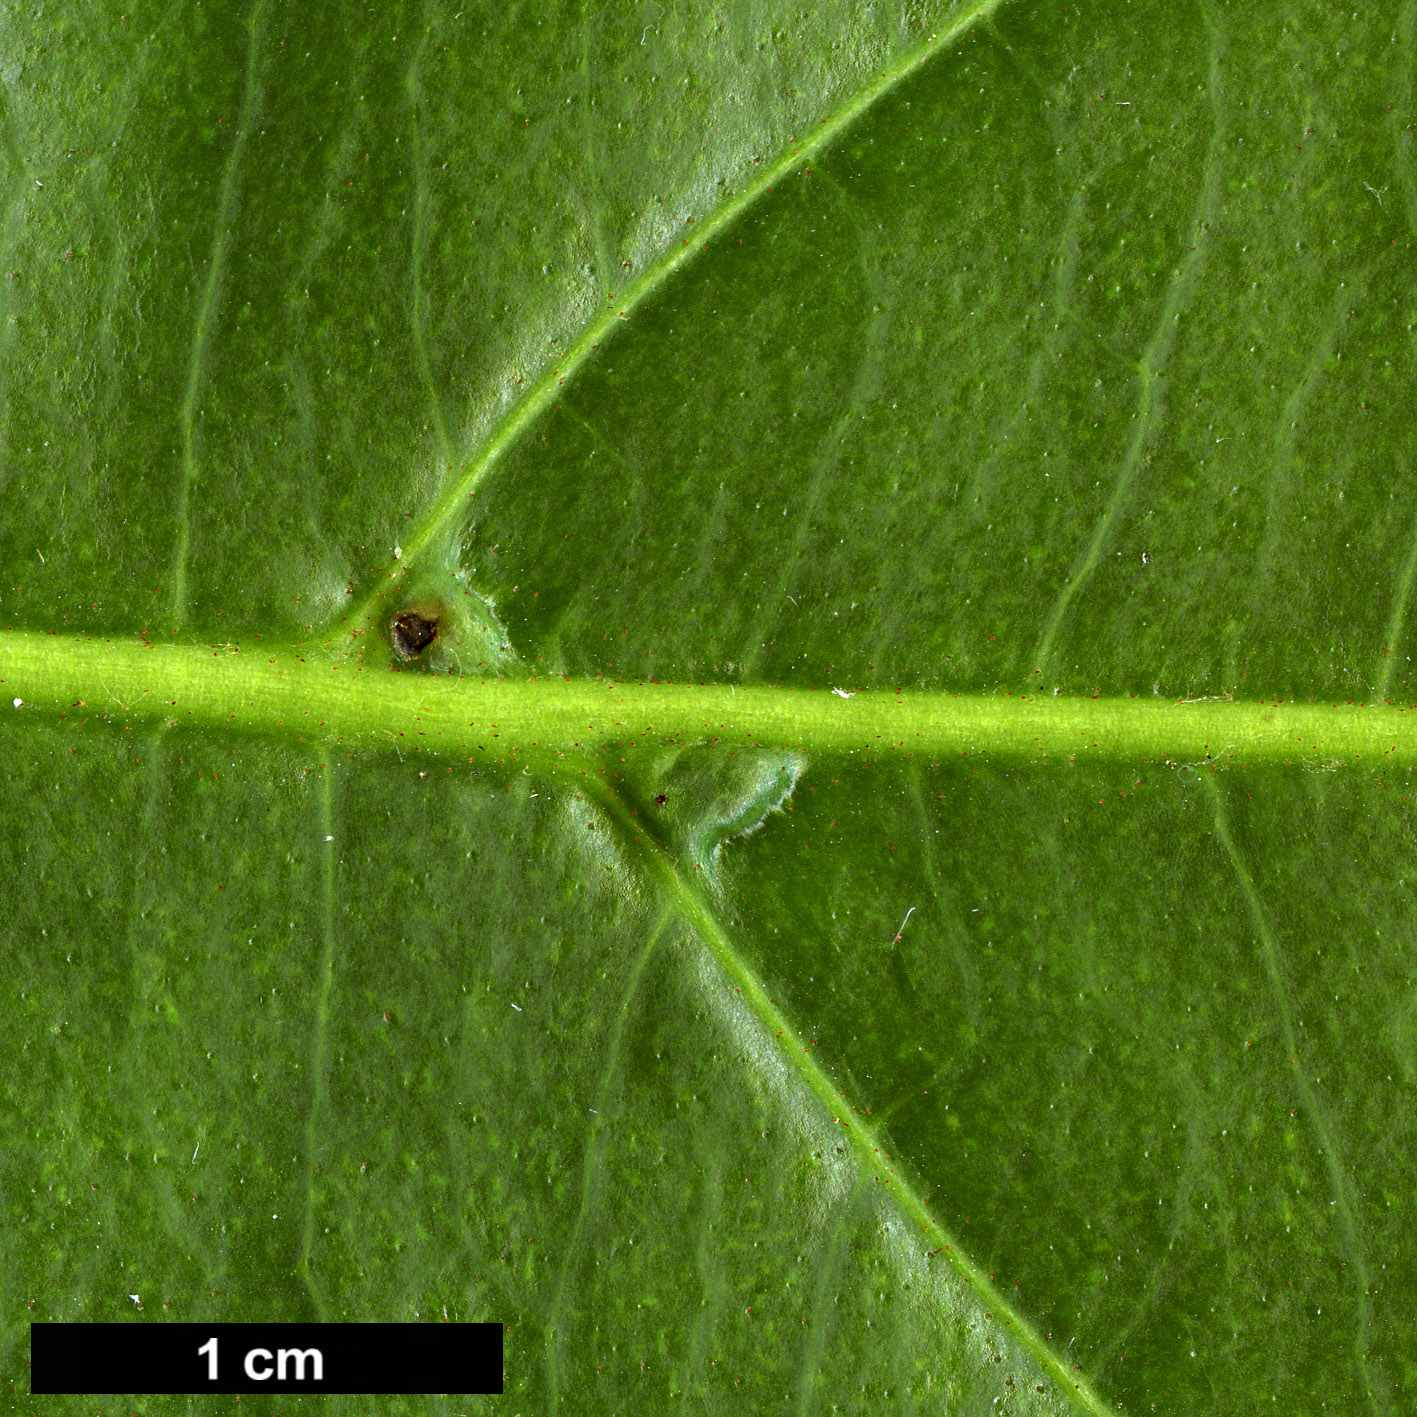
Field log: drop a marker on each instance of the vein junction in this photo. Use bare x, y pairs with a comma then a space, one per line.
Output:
303, 691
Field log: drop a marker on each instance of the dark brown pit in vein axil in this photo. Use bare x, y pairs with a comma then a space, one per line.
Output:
413, 633
660, 800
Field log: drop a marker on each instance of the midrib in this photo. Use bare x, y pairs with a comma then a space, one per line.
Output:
290, 693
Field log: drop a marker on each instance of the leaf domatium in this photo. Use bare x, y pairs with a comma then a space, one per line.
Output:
733, 685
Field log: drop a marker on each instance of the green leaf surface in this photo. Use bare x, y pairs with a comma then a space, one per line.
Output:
728, 683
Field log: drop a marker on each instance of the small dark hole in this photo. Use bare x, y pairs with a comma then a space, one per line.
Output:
412, 633
660, 800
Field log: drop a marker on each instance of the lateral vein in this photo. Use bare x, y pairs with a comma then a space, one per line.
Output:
438, 520
206, 314
862, 1138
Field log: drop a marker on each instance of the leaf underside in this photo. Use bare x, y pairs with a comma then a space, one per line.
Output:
1017, 372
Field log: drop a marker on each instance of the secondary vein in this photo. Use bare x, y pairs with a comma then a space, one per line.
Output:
438, 520
862, 1139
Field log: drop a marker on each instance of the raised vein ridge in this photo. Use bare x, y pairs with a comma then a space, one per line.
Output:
294, 692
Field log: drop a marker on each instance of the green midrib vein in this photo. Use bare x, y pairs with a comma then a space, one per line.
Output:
288, 693
428, 534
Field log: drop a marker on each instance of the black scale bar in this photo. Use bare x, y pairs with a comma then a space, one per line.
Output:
355, 1359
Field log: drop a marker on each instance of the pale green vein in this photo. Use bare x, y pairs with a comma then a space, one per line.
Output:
319, 1085
206, 317
1408, 182
418, 315
278, 694
1046, 358
862, 1139
1399, 613
1148, 372
446, 511
1279, 498
943, 894
12, 225
828, 453
1161, 1274
604, 272
594, 1153
1402, 142
814, 1345
328, 219
1313, 1108
708, 1257
175, 1217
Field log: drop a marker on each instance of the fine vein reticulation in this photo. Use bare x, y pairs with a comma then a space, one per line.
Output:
300, 693
1314, 1111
